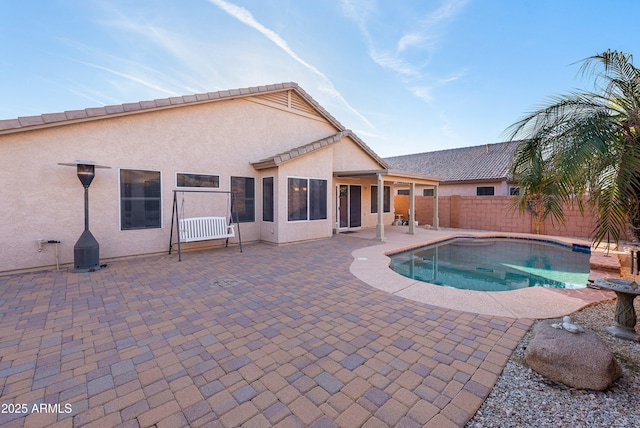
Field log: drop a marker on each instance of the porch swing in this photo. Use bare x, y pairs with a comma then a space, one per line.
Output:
192, 229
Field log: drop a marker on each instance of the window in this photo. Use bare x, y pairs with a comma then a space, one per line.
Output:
139, 199
197, 180
427, 192
267, 199
514, 190
243, 209
404, 192
485, 191
317, 199
386, 191
306, 199
297, 199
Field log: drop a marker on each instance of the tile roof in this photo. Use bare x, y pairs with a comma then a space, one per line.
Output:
477, 163
315, 145
96, 113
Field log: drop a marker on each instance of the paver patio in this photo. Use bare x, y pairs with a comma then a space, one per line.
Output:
273, 336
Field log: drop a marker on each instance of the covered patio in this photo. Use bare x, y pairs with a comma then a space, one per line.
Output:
388, 177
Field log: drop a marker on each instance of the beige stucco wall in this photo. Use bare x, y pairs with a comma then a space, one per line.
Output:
42, 200
316, 165
467, 189
350, 157
470, 189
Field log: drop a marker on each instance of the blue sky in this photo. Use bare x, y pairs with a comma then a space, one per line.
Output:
406, 76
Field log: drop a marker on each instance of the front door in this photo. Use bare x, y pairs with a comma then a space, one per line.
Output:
349, 206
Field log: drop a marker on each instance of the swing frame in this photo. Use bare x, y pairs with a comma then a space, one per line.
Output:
175, 218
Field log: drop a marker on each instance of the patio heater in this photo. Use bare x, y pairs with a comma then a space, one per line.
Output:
86, 252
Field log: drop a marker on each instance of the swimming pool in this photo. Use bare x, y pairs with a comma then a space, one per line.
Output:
496, 264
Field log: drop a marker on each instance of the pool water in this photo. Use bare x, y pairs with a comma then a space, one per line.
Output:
496, 264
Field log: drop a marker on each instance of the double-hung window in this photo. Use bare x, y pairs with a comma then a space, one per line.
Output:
140, 199
306, 199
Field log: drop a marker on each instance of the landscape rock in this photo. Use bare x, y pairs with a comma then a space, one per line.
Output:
580, 360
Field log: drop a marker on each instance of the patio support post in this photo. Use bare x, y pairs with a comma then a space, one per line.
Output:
435, 208
380, 225
412, 208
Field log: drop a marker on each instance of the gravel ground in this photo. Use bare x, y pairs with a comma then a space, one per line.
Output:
523, 398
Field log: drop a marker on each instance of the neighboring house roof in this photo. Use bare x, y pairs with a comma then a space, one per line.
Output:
490, 162
303, 103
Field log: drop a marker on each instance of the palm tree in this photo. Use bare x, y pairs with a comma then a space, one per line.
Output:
584, 148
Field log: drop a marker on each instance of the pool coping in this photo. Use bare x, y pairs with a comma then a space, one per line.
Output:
371, 265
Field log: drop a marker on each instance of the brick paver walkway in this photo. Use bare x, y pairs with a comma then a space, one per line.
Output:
275, 336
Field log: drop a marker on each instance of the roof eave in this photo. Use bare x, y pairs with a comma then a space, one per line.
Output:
476, 180
389, 174
295, 153
49, 120
266, 164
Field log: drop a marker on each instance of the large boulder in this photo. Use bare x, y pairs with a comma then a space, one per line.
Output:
579, 360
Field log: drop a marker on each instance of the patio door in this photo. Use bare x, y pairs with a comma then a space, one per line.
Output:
349, 206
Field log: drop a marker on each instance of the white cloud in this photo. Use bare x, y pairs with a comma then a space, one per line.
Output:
425, 37
394, 63
186, 63
457, 76
197, 75
414, 39
247, 18
87, 95
135, 79
429, 33
358, 11
447, 130
423, 92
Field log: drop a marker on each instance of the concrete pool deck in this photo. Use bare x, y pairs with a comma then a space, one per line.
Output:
371, 265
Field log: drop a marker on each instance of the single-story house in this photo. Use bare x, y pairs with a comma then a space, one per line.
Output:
297, 174
468, 171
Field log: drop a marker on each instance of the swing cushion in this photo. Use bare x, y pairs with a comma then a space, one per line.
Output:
204, 228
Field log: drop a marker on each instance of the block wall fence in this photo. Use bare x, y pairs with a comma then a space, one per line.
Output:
493, 213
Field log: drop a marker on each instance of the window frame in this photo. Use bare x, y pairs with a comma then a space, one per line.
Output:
310, 207
317, 205
146, 199
217, 176
252, 201
480, 193
386, 202
268, 199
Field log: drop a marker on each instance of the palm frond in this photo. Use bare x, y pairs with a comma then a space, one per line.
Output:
585, 145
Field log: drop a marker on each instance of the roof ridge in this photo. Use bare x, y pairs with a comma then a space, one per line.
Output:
93, 113
482, 162
453, 149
